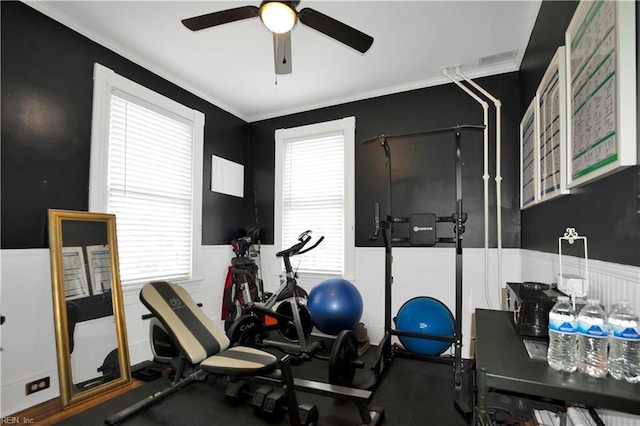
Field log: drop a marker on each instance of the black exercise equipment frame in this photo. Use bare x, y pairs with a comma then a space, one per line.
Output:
251, 327
387, 351
186, 373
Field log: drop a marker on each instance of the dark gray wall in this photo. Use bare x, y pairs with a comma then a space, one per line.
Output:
47, 92
423, 167
606, 211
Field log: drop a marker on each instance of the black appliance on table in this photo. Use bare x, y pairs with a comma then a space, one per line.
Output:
530, 303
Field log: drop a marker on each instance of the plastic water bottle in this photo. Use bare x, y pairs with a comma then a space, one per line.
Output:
563, 326
592, 340
624, 343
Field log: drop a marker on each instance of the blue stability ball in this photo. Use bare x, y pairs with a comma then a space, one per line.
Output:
335, 305
425, 315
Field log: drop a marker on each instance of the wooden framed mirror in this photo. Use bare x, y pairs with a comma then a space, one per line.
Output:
91, 337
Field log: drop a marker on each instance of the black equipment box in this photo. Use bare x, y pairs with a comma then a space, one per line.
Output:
422, 230
530, 303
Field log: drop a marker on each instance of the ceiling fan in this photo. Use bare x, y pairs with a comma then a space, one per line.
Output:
280, 17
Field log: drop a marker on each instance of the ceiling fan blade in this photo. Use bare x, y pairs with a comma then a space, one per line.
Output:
282, 52
336, 29
218, 18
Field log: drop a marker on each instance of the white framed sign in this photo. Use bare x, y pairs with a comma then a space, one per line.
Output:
529, 156
227, 177
601, 61
552, 129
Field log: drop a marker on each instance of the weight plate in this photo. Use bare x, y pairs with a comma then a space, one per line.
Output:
341, 366
288, 331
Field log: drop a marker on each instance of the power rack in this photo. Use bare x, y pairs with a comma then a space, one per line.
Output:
385, 226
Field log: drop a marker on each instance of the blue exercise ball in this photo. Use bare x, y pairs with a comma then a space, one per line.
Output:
425, 315
335, 305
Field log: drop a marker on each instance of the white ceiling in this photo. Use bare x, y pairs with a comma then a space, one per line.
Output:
232, 67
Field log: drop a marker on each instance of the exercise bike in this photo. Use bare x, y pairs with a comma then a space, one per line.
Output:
281, 311
284, 311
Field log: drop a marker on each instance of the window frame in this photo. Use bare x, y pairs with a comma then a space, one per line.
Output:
106, 81
347, 127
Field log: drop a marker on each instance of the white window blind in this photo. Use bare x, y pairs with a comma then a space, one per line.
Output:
313, 198
314, 190
146, 168
149, 191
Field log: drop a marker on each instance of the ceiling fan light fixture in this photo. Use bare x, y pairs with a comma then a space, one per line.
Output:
277, 16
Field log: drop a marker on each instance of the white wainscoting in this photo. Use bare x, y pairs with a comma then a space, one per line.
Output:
608, 282
28, 340
27, 336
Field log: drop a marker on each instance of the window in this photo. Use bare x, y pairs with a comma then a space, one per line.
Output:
146, 168
315, 190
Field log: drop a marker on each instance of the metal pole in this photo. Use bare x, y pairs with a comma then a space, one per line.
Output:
459, 228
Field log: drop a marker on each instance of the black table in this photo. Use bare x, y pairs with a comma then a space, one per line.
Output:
502, 363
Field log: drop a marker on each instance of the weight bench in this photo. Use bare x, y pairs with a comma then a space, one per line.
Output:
202, 344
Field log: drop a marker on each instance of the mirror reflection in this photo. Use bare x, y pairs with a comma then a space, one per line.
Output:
88, 309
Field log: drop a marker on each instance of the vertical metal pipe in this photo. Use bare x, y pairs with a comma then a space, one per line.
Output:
485, 177
498, 178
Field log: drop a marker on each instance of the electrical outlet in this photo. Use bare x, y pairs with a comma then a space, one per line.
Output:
37, 385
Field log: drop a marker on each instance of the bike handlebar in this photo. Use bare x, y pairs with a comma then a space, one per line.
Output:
297, 248
317, 243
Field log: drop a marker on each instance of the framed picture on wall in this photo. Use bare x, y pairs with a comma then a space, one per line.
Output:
99, 260
552, 129
75, 273
529, 156
601, 78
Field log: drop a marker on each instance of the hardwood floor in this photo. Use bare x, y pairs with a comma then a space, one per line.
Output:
50, 412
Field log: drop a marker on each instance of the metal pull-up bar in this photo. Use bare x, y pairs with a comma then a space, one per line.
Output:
382, 139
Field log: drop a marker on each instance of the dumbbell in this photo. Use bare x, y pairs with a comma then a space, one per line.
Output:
309, 414
260, 395
235, 389
274, 405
